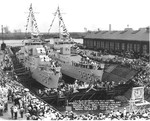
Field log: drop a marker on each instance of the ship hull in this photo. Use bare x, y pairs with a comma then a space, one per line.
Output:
48, 79
82, 74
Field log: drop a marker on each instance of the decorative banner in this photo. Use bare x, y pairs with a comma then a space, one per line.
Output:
52, 21
31, 17
62, 25
62, 28
137, 94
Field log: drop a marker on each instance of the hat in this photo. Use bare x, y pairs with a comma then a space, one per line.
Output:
42, 103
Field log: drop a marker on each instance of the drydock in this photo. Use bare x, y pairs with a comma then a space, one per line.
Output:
55, 99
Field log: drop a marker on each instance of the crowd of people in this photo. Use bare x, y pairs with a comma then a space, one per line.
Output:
143, 77
6, 65
136, 64
124, 114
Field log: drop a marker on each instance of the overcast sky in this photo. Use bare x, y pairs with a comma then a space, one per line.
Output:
79, 14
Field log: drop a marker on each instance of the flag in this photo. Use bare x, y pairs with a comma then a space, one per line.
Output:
30, 9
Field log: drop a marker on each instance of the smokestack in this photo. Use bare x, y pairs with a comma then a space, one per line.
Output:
109, 27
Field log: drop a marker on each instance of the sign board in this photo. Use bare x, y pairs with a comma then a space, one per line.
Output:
93, 105
68, 108
137, 94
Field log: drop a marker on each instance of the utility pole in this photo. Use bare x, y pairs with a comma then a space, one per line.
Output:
2, 33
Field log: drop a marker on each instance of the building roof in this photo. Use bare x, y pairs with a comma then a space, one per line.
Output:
128, 34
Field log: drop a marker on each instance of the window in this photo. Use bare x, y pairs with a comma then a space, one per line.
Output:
87, 43
94, 43
102, 44
138, 48
98, 44
91, 43
112, 45
123, 46
107, 45
135, 48
130, 46
116, 46
144, 49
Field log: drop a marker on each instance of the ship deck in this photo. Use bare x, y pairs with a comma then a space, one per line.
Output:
75, 58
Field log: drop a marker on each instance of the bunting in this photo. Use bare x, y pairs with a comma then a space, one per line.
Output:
62, 28
31, 17
52, 21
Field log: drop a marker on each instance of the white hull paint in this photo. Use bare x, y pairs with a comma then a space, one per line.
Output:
82, 74
48, 79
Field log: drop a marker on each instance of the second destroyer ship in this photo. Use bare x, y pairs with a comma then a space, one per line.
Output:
72, 64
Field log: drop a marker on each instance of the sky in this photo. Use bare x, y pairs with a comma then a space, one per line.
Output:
77, 14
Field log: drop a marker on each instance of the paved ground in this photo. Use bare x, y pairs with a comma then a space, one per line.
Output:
7, 115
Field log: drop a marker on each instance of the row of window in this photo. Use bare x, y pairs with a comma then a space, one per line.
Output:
117, 46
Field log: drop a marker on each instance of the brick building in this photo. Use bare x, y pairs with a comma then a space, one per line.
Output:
119, 41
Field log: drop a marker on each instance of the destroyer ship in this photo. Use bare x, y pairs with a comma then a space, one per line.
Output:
33, 56
73, 65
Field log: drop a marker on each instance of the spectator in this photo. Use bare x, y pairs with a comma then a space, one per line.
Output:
21, 111
12, 111
15, 110
1, 109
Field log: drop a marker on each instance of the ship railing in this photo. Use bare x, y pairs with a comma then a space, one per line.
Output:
88, 66
54, 70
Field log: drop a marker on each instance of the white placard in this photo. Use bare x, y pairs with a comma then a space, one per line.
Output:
137, 94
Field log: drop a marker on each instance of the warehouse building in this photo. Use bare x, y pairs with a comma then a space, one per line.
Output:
119, 41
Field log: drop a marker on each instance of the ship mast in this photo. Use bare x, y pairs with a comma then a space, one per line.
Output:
64, 33
59, 23
32, 21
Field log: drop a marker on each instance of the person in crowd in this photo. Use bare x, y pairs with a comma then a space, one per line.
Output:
5, 106
21, 111
15, 110
12, 111
1, 109
28, 116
